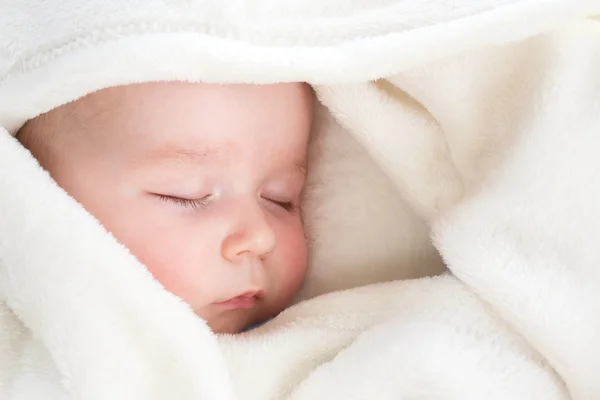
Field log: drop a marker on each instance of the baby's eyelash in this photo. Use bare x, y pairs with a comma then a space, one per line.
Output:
201, 203
194, 204
286, 205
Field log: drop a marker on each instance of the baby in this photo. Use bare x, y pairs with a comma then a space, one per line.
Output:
201, 182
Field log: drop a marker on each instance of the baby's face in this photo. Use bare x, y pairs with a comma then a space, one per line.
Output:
201, 182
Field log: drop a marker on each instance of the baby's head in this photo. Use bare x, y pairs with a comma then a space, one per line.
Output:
201, 182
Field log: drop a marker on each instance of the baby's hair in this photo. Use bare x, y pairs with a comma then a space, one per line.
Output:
28, 133
38, 134
34, 136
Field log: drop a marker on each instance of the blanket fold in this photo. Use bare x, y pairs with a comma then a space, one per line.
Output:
466, 353
522, 233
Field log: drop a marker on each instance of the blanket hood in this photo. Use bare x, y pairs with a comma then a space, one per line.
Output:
88, 299
51, 48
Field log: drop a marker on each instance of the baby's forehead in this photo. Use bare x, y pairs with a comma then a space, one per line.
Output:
95, 107
184, 120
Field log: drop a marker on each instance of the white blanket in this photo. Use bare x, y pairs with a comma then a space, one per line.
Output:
426, 339
476, 119
423, 339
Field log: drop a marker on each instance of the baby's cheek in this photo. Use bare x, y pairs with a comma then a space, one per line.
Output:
168, 263
171, 276
292, 264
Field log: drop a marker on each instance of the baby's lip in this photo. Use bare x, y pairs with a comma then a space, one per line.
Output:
243, 300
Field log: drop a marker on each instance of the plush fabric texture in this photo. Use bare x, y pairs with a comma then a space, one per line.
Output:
463, 130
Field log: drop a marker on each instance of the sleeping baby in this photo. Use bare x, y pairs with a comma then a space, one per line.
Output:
203, 184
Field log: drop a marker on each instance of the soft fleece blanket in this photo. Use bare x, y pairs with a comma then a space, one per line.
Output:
473, 123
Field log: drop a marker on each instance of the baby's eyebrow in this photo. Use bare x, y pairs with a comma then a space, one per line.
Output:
184, 155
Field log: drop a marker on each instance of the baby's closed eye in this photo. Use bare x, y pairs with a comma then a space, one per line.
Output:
194, 204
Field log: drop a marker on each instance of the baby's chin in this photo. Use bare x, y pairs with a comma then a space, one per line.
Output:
234, 321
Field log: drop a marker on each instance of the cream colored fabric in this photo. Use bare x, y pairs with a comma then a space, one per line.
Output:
426, 339
521, 147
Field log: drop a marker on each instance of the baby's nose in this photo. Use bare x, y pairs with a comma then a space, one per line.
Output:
254, 236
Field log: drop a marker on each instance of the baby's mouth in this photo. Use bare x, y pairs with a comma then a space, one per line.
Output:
245, 300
